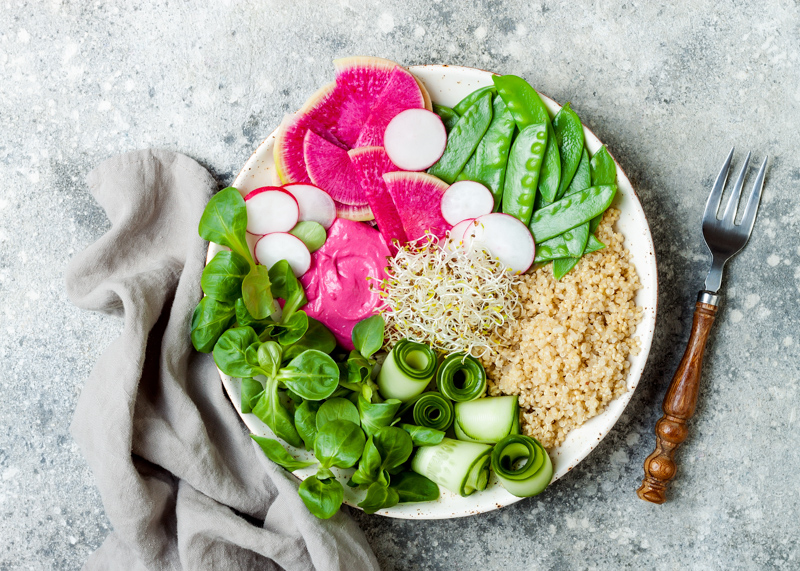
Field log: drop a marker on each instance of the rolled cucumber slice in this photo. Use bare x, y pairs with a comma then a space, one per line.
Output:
522, 465
408, 369
461, 467
461, 378
487, 420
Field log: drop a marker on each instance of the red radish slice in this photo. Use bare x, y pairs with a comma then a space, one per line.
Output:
318, 114
417, 197
279, 246
371, 163
315, 204
466, 199
415, 139
401, 92
354, 212
505, 238
270, 209
359, 82
330, 169
455, 236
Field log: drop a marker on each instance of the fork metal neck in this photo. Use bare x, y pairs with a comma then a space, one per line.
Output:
714, 277
708, 297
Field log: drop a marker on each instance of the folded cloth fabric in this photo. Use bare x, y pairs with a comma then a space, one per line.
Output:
182, 483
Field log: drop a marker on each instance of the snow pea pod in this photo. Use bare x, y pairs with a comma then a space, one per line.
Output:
569, 135
528, 108
567, 244
462, 106
604, 171
463, 139
487, 165
522, 177
447, 115
571, 211
562, 267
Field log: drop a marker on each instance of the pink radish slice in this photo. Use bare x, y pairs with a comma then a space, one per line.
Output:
466, 199
270, 209
279, 246
330, 169
354, 212
400, 93
417, 197
505, 237
455, 236
315, 204
415, 139
371, 163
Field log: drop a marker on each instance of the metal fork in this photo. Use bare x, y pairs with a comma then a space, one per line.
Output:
724, 239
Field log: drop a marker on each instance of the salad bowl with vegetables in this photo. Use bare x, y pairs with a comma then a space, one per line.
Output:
362, 415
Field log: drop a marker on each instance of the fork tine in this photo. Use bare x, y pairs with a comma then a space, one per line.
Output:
733, 202
712, 204
749, 217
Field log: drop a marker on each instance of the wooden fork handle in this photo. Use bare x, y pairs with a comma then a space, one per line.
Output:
679, 405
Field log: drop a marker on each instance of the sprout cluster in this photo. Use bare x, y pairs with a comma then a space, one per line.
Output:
454, 298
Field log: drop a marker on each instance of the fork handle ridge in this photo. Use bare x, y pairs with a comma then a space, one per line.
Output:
679, 405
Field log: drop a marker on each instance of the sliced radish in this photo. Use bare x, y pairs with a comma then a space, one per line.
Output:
455, 236
279, 246
270, 209
466, 199
505, 238
415, 139
315, 204
354, 212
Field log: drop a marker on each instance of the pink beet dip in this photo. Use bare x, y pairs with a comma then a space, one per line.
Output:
338, 291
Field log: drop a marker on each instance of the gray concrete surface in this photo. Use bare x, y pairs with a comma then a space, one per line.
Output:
668, 86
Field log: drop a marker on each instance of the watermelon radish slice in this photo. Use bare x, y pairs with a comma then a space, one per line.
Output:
314, 203
354, 212
505, 237
415, 139
318, 114
270, 209
283, 246
417, 197
371, 163
401, 92
455, 236
329, 168
466, 199
359, 82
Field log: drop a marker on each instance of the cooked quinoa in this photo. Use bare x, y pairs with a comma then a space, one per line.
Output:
567, 353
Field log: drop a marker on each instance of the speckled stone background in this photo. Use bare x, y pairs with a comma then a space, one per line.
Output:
669, 88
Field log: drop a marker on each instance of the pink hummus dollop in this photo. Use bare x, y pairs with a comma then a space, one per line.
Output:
338, 291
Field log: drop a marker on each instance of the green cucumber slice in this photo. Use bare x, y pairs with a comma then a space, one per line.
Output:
487, 420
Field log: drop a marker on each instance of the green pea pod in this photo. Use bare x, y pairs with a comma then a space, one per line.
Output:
447, 115
488, 163
604, 171
571, 211
522, 176
583, 175
528, 108
551, 249
570, 244
593, 245
562, 267
462, 106
569, 135
463, 139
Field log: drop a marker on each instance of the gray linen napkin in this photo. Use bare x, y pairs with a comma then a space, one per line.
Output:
182, 483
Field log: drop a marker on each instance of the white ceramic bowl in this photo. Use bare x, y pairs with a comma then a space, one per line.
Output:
447, 85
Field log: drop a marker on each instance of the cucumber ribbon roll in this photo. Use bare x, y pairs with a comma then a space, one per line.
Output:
408, 369
526, 479
461, 467
461, 378
431, 410
487, 420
